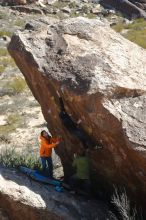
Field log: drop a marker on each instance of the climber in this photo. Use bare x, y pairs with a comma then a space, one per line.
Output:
81, 178
71, 126
46, 144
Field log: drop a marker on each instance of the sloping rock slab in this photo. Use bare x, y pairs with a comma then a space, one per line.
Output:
23, 199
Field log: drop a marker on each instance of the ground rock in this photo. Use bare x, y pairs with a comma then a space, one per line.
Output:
101, 78
22, 198
26, 9
14, 2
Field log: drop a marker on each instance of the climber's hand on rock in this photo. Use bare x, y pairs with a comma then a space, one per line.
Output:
58, 93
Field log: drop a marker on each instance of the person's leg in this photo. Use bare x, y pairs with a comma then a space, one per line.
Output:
73, 182
43, 161
50, 166
87, 186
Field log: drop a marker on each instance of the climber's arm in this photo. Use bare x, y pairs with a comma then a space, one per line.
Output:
52, 145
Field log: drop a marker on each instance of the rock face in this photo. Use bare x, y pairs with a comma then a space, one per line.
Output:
133, 8
23, 199
101, 78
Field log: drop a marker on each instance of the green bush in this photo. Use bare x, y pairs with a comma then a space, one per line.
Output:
2, 69
72, 5
7, 61
19, 22
135, 32
13, 121
118, 27
137, 36
138, 24
91, 16
3, 15
17, 85
3, 52
11, 158
5, 33
86, 9
60, 4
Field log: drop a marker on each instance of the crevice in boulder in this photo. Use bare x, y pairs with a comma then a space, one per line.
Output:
123, 92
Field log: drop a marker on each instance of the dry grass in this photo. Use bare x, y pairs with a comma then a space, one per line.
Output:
17, 85
3, 52
136, 32
123, 205
11, 158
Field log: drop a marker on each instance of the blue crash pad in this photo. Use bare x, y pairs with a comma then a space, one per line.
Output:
35, 175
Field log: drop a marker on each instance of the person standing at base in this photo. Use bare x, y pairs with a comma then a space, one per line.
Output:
81, 178
46, 144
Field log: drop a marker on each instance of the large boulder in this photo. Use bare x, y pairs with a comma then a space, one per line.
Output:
133, 8
101, 77
23, 199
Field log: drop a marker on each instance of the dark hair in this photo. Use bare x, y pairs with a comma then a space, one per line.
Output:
42, 132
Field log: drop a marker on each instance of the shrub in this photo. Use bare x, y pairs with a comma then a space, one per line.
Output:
86, 9
72, 5
136, 32
137, 36
3, 15
5, 129
7, 61
17, 86
19, 22
60, 4
123, 205
91, 16
3, 52
13, 121
11, 158
2, 69
118, 27
5, 33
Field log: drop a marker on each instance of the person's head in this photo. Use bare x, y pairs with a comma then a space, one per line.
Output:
45, 134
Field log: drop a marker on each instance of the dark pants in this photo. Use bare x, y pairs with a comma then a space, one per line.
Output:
47, 161
83, 184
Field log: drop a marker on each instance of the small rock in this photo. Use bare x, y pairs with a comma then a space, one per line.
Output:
51, 2
3, 120
6, 38
66, 10
96, 10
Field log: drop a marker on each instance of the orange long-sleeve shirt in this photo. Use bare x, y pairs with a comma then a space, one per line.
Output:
46, 147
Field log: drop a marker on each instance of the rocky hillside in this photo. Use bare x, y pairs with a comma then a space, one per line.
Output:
19, 126
131, 8
101, 78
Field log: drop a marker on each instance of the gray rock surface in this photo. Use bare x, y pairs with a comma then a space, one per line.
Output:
22, 198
